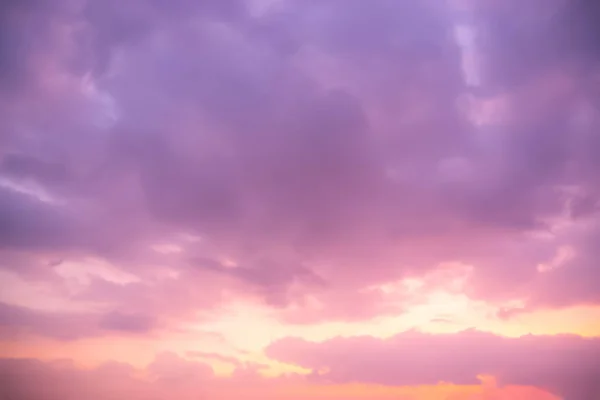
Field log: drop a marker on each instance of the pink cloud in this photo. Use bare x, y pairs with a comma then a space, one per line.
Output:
169, 376
566, 365
18, 322
295, 158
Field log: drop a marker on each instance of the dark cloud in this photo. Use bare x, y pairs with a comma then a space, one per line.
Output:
28, 222
331, 157
26, 33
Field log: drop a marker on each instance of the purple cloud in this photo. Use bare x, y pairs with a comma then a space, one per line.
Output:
318, 145
20, 322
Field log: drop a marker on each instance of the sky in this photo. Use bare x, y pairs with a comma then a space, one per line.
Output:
299, 199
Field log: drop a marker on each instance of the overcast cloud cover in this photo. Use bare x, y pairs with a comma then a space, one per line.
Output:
326, 163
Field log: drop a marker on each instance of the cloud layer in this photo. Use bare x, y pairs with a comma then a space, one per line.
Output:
169, 375
161, 161
567, 365
317, 147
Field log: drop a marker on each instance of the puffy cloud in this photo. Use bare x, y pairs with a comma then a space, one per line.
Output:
317, 147
566, 365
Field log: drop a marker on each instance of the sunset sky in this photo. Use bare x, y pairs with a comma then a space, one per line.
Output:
299, 199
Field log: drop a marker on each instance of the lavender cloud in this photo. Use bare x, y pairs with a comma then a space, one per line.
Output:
21, 322
319, 144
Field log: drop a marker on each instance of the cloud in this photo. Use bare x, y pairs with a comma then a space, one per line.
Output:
566, 365
127, 322
33, 224
319, 147
166, 376
169, 375
65, 380
21, 322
